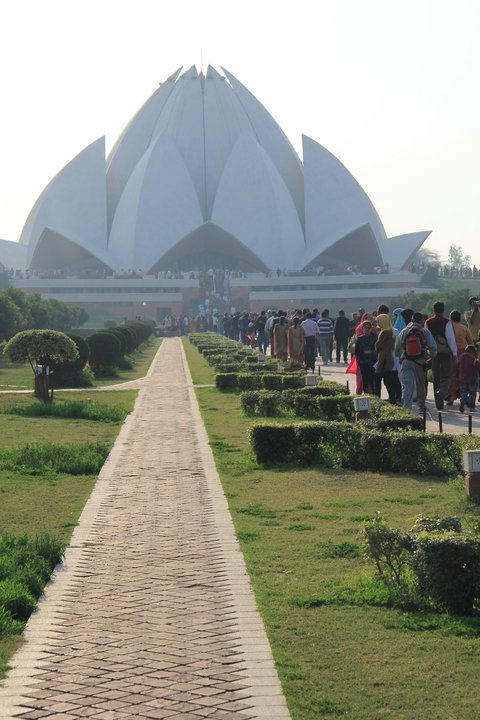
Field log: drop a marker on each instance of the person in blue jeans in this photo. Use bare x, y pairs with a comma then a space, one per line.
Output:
412, 371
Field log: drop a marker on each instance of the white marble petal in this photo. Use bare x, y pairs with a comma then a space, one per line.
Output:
158, 207
133, 142
254, 205
274, 141
400, 250
74, 205
335, 204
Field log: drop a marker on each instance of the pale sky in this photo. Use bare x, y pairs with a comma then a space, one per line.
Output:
391, 88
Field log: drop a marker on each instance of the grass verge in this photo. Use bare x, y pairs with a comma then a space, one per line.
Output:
299, 530
37, 496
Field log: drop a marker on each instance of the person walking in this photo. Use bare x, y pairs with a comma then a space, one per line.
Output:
325, 332
280, 339
443, 363
386, 365
262, 341
310, 329
366, 356
474, 317
468, 370
463, 338
296, 340
341, 331
414, 346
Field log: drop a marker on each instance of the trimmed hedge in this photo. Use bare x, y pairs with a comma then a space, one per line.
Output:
261, 402
358, 448
258, 381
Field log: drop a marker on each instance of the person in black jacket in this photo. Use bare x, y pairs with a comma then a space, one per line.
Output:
341, 332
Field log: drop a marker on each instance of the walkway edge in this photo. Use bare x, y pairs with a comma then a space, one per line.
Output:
260, 673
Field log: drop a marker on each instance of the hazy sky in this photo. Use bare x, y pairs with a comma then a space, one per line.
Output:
391, 88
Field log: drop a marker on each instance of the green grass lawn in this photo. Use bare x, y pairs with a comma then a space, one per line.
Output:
300, 530
48, 503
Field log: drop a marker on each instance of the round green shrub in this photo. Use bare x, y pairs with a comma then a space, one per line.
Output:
105, 351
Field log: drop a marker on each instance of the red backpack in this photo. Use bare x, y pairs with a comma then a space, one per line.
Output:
414, 345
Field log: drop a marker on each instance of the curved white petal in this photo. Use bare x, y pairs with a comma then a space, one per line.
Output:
133, 142
253, 205
12, 254
399, 251
274, 141
335, 204
73, 204
158, 207
358, 247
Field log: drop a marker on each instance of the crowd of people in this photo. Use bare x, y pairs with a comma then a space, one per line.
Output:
402, 350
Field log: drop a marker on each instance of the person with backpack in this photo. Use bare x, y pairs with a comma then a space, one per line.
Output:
414, 346
444, 362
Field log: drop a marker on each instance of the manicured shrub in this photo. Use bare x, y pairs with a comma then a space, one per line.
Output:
130, 337
273, 443
249, 381
335, 407
226, 381
447, 570
260, 402
69, 373
105, 351
120, 337
271, 381
228, 367
293, 381
352, 446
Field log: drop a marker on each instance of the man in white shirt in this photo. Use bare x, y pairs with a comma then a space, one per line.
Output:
310, 329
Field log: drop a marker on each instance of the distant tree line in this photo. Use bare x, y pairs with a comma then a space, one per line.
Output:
27, 311
423, 302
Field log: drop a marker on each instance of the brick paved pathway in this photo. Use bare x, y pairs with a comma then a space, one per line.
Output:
151, 615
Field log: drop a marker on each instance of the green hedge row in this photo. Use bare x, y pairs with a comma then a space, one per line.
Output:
259, 381
359, 448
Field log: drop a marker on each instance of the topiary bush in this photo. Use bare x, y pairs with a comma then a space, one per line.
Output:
226, 381
249, 381
105, 351
352, 446
272, 381
273, 443
260, 402
447, 570
70, 373
293, 381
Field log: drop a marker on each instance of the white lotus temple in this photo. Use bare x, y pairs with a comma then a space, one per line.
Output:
203, 177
